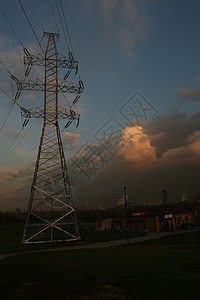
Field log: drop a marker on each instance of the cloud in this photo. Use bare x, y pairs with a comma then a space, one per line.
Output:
3, 42
188, 94
14, 186
173, 137
137, 148
71, 137
185, 155
136, 22
161, 154
171, 131
12, 133
128, 22
108, 9
138, 166
21, 152
192, 138
10, 174
71, 140
12, 59
7, 173
83, 129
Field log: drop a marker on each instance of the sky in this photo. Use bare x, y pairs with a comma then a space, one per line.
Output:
140, 110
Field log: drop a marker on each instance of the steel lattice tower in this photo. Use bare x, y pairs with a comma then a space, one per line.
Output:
51, 216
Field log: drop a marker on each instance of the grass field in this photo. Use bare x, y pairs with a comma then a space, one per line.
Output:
167, 268
11, 234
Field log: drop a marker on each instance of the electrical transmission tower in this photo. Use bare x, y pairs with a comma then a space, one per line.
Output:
51, 216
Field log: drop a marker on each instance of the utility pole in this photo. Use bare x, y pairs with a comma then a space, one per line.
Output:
126, 216
164, 197
51, 216
198, 233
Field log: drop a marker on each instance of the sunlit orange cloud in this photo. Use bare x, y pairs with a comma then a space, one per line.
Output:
71, 137
138, 151
189, 154
7, 173
137, 148
194, 140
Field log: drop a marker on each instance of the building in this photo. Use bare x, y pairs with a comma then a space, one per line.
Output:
153, 222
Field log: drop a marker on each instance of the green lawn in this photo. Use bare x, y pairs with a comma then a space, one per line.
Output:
148, 270
187, 240
11, 234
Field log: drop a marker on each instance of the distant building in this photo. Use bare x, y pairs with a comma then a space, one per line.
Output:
148, 221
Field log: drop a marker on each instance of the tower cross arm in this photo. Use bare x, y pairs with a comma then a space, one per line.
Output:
39, 112
39, 60
40, 86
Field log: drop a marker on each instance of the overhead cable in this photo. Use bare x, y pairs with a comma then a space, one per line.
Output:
66, 27
62, 26
37, 16
2, 125
5, 67
10, 96
53, 15
30, 25
68, 33
7, 151
12, 27
25, 158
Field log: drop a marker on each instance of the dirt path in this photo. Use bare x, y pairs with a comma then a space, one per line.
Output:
150, 236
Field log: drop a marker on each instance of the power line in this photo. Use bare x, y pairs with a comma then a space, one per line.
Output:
24, 49
62, 26
6, 153
30, 25
25, 158
53, 15
5, 67
2, 125
10, 97
26, 164
37, 16
14, 102
12, 78
68, 33
64, 36
12, 27
66, 27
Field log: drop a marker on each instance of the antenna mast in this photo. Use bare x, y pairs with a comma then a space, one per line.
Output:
51, 216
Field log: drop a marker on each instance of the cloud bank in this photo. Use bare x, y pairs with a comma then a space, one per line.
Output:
164, 153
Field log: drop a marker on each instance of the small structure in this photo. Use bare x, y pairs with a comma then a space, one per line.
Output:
153, 222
